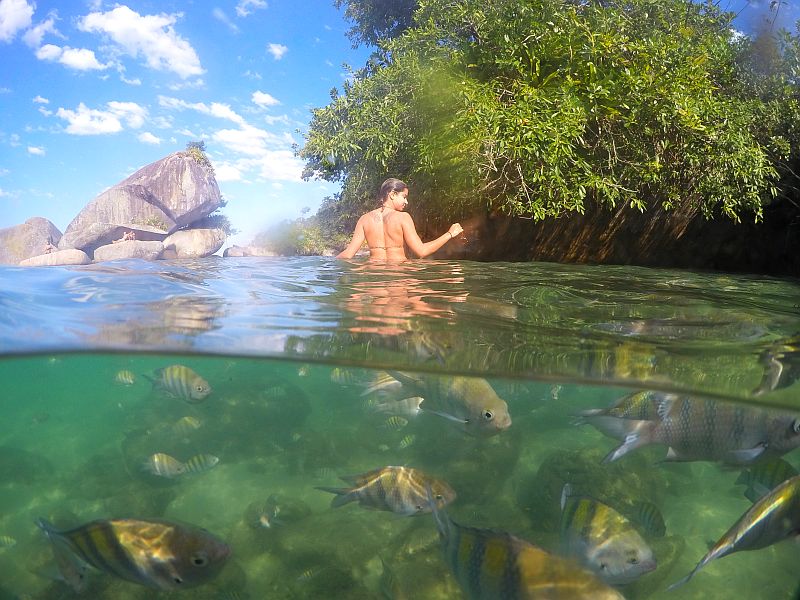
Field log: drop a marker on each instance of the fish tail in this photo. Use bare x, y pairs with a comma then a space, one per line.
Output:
683, 580
639, 436
343, 495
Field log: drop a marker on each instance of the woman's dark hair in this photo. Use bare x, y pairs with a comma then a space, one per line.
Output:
389, 186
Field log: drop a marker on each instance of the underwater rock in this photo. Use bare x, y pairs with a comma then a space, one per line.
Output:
538, 495
22, 466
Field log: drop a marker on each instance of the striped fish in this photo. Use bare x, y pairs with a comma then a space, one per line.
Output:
159, 554
164, 465
649, 517
186, 425
125, 377
771, 519
395, 422
405, 407
6, 541
603, 540
765, 476
620, 418
200, 463
397, 489
495, 565
407, 441
703, 429
181, 382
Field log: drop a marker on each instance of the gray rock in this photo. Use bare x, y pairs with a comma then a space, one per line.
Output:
156, 200
26, 240
193, 243
148, 250
70, 256
236, 251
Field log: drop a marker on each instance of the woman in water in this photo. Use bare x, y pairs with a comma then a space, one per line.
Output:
387, 228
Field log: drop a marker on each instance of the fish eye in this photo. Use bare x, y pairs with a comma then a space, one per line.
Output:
633, 561
488, 415
796, 425
178, 580
439, 496
200, 388
199, 560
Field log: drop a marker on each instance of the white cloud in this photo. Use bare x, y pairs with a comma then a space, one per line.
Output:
220, 16
15, 15
243, 8
36, 150
227, 172
215, 109
48, 52
277, 50
34, 36
79, 59
149, 36
4, 194
45, 112
264, 99
135, 81
40, 100
90, 121
148, 138
246, 140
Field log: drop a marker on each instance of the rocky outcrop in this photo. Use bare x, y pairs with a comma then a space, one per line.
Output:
129, 249
155, 201
193, 243
236, 251
26, 240
71, 256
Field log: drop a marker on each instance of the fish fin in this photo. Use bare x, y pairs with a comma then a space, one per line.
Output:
748, 454
445, 415
381, 382
343, 495
756, 491
638, 437
614, 427
361, 478
566, 492
406, 379
743, 478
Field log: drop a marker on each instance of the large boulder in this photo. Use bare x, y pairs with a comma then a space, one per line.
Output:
237, 251
70, 256
193, 243
156, 200
150, 250
29, 239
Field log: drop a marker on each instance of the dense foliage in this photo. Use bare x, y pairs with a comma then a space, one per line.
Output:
534, 108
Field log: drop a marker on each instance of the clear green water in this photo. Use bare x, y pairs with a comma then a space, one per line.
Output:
287, 346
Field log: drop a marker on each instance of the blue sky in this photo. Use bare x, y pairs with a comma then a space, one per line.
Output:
90, 91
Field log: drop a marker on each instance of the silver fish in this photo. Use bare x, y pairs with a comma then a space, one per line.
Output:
704, 429
164, 465
397, 489
773, 518
495, 565
619, 419
468, 401
71, 569
603, 540
182, 382
159, 554
405, 407
186, 425
201, 463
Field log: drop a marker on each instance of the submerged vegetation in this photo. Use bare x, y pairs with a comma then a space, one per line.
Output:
541, 108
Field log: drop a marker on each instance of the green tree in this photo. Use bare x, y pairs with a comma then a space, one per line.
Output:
533, 108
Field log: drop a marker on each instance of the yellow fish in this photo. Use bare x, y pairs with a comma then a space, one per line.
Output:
495, 565
6, 541
603, 540
397, 489
200, 463
182, 382
186, 425
468, 401
158, 554
125, 377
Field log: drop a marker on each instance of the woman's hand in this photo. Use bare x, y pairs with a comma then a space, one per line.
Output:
455, 229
